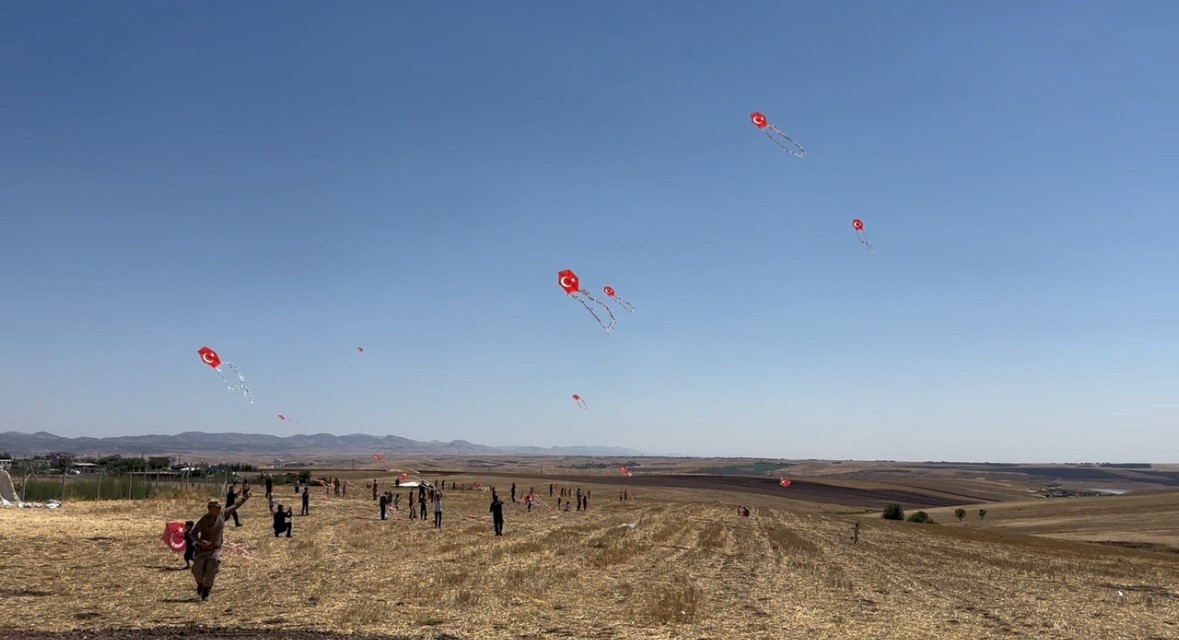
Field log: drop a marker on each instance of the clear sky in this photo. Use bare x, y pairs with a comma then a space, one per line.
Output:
287, 181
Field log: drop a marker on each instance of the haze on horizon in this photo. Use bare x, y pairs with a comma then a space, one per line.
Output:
286, 182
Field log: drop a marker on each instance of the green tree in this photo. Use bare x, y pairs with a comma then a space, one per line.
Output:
893, 512
960, 513
982, 513
922, 517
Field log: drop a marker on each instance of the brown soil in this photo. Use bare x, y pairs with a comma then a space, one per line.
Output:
806, 490
204, 633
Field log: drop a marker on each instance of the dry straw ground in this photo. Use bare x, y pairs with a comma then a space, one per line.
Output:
670, 564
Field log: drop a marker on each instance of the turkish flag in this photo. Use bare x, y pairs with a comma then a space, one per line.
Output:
209, 357
174, 536
785, 483
569, 281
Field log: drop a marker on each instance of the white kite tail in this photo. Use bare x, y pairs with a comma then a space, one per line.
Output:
624, 304
608, 327
864, 240
797, 151
241, 386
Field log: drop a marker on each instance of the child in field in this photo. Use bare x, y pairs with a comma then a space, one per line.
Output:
189, 544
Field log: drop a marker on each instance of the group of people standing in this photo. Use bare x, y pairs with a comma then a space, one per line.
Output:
424, 495
205, 537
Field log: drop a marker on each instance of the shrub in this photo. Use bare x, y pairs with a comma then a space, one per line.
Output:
960, 513
893, 512
921, 517
982, 513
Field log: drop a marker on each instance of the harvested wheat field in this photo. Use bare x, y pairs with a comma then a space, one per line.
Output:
661, 566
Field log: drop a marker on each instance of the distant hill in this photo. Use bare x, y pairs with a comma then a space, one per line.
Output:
254, 444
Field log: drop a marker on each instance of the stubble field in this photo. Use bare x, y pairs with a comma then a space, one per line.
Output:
673, 563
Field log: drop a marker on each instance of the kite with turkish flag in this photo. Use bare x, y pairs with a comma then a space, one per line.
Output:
210, 357
174, 536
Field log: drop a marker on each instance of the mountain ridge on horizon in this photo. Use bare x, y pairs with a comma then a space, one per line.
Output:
193, 442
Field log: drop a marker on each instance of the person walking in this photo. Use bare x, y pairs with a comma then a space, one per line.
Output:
497, 514
209, 534
230, 498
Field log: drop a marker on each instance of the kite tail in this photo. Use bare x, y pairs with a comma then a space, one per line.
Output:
800, 153
864, 240
242, 386
625, 305
607, 327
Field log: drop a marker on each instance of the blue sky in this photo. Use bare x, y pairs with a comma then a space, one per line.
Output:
286, 181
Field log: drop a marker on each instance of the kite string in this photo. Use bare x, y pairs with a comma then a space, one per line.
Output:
801, 153
624, 304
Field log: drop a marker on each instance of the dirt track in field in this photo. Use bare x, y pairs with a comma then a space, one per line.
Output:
806, 490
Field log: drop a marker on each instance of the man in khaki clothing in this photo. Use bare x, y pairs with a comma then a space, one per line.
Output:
209, 533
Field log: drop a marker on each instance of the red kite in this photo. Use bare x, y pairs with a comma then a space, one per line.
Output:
766, 127
572, 286
174, 536
858, 225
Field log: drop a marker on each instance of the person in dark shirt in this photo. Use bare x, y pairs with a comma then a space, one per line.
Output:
384, 503
497, 514
189, 544
306, 503
282, 522
230, 498
269, 486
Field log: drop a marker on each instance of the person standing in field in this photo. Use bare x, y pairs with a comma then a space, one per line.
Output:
306, 503
437, 509
209, 533
497, 514
189, 544
384, 504
513, 492
230, 498
374, 488
269, 486
413, 511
